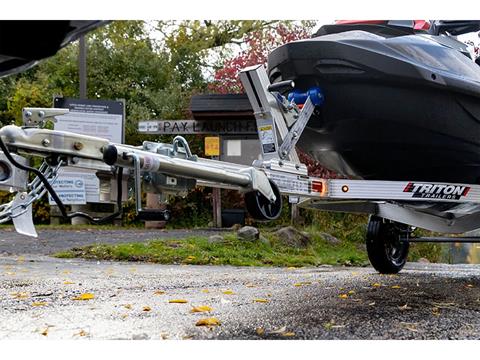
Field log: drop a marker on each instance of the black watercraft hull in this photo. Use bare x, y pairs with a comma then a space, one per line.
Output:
399, 108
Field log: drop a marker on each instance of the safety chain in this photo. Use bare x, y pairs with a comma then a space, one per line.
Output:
10, 211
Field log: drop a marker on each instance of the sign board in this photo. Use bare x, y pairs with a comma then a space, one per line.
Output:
212, 146
172, 127
234, 147
92, 183
101, 118
71, 190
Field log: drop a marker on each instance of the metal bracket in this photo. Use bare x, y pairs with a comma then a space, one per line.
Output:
39, 116
296, 130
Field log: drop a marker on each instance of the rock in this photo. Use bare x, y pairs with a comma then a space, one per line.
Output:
290, 236
330, 238
248, 233
215, 239
236, 227
423, 260
141, 336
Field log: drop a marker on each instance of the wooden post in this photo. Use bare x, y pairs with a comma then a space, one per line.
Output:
212, 148
152, 203
295, 214
217, 207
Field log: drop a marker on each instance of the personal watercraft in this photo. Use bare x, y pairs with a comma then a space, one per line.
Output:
402, 99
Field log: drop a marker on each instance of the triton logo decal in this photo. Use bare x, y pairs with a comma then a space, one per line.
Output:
436, 191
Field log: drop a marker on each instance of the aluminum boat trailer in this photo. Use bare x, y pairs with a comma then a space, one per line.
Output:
171, 169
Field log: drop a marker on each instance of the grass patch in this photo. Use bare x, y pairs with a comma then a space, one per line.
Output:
198, 251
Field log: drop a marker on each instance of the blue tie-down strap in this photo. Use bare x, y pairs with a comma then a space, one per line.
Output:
315, 93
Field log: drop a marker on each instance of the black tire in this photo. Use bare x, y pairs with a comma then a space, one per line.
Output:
387, 244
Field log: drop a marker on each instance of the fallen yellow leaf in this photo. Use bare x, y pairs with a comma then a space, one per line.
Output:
343, 296
84, 296
177, 301
159, 292
190, 258
201, 308
260, 331
228, 292
260, 300
21, 259
39, 303
351, 292
68, 282
20, 295
376, 285
45, 332
250, 285
396, 287
206, 291
147, 308
288, 334
208, 322
298, 284
82, 333
127, 306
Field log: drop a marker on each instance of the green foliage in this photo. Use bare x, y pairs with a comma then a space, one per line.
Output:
344, 226
198, 251
430, 251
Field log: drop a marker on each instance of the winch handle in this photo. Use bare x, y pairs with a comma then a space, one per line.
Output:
281, 86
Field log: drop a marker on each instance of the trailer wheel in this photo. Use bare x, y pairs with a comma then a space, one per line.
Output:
260, 208
387, 244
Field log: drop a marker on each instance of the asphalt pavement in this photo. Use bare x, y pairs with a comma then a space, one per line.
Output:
39, 300
42, 297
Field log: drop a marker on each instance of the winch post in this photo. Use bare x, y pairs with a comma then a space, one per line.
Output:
267, 113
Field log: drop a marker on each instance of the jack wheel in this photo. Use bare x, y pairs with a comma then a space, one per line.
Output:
260, 208
387, 244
